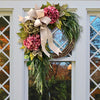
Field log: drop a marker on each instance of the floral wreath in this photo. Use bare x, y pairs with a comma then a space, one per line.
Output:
37, 41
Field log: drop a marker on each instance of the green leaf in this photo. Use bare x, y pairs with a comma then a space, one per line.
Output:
63, 18
64, 6
28, 63
21, 24
26, 52
59, 24
19, 34
43, 6
67, 14
48, 4
40, 57
22, 29
26, 56
22, 35
57, 6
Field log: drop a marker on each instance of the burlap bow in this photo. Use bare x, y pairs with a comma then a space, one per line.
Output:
45, 33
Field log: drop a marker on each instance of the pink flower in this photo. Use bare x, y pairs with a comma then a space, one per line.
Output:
32, 42
52, 13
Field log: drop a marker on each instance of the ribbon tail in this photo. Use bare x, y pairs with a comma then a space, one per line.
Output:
52, 46
43, 33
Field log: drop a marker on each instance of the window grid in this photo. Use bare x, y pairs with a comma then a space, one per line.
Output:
4, 57
94, 57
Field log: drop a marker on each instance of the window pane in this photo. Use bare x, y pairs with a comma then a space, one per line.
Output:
95, 58
4, 57
59, 84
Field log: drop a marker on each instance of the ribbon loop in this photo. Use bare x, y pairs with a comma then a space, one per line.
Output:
37, 23
46, 20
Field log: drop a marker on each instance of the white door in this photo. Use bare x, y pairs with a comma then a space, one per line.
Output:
13, 71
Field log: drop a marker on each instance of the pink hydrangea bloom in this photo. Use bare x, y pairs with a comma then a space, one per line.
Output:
32, 42
52, 13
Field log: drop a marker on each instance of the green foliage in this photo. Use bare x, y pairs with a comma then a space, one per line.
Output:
57, 90
59, 24
43, 6
70, 27
29, 63
26, 57
22, 34
39, 70
58, 7
67, 23
64, 7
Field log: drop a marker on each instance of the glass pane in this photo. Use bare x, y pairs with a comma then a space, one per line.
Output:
3, 94
92, 33
6, 50
96, 94
96, 24
96, 42
92, 18
6, 33
60, 40
3, 77
3, 23
92, 85
7, 18
92, 68
92, 50
95, 59
59, 37
4, 58
3, 41
7, 68
95, 77
59, 86
6, 86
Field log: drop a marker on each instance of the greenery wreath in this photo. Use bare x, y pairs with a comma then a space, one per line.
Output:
36, 38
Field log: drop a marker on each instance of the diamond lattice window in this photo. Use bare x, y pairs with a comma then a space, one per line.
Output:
4, 58
60, 40
60, 84
94, 58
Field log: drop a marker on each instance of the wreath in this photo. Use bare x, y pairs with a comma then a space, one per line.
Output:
37, 41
